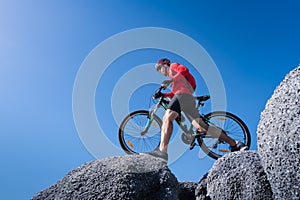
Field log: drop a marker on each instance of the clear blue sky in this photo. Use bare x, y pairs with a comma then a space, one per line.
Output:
254, 44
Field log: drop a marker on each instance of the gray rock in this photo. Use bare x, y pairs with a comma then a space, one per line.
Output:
238, 175
187, 190
201, 190
279, 138
126, 177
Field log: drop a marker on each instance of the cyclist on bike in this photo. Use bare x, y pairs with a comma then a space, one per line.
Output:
183, 85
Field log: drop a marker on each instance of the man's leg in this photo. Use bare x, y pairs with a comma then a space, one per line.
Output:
187, 103
202, 127
167, 129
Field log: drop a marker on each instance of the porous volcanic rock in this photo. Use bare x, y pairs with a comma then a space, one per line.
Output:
187, 190
238, 175
125, 177
201, 190
279, 138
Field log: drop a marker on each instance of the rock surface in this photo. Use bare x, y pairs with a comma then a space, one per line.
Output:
187, 190
279, 138
238, 175
127, 177
201, 190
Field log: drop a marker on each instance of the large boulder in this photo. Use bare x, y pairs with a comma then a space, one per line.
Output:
187, 190
238, 175
125, 177
279, 138
201, 190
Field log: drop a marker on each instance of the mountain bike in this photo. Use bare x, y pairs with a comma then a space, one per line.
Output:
140, 130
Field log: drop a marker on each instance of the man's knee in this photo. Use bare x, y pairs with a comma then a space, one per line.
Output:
170, 115
200, 125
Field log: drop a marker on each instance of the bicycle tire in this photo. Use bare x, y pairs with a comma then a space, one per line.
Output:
233, 126
130, 138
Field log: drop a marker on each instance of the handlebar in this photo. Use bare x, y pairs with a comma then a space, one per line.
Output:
158, 93
160, 88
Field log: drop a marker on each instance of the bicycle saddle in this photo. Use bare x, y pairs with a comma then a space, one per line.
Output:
203, 98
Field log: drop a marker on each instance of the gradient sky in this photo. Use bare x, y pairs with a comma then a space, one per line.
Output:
253, 43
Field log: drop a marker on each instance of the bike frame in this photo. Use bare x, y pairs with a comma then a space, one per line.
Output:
164, 103
190, 136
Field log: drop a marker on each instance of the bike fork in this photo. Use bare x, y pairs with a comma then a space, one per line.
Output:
147, 127
149, 122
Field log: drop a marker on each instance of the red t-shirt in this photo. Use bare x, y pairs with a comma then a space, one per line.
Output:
183, 81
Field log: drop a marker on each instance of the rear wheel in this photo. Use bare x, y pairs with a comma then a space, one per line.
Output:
134, 137
232, 125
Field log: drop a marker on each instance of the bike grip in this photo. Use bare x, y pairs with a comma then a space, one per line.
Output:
160, 88
157, 95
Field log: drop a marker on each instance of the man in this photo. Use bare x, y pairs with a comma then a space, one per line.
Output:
183, 85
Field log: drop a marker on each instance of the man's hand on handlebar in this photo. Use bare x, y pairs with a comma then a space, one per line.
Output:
158, 92
166, 83
157, 95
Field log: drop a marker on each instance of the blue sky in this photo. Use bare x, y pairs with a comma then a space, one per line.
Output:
254, 44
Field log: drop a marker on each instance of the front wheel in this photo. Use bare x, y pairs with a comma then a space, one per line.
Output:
232, 125
140, 132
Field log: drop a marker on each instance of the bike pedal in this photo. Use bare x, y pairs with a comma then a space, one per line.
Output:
201, 135
192, 145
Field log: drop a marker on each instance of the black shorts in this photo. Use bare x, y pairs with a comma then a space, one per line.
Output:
185, 103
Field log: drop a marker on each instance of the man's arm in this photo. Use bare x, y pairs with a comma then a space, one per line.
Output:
166, 83
168, 94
